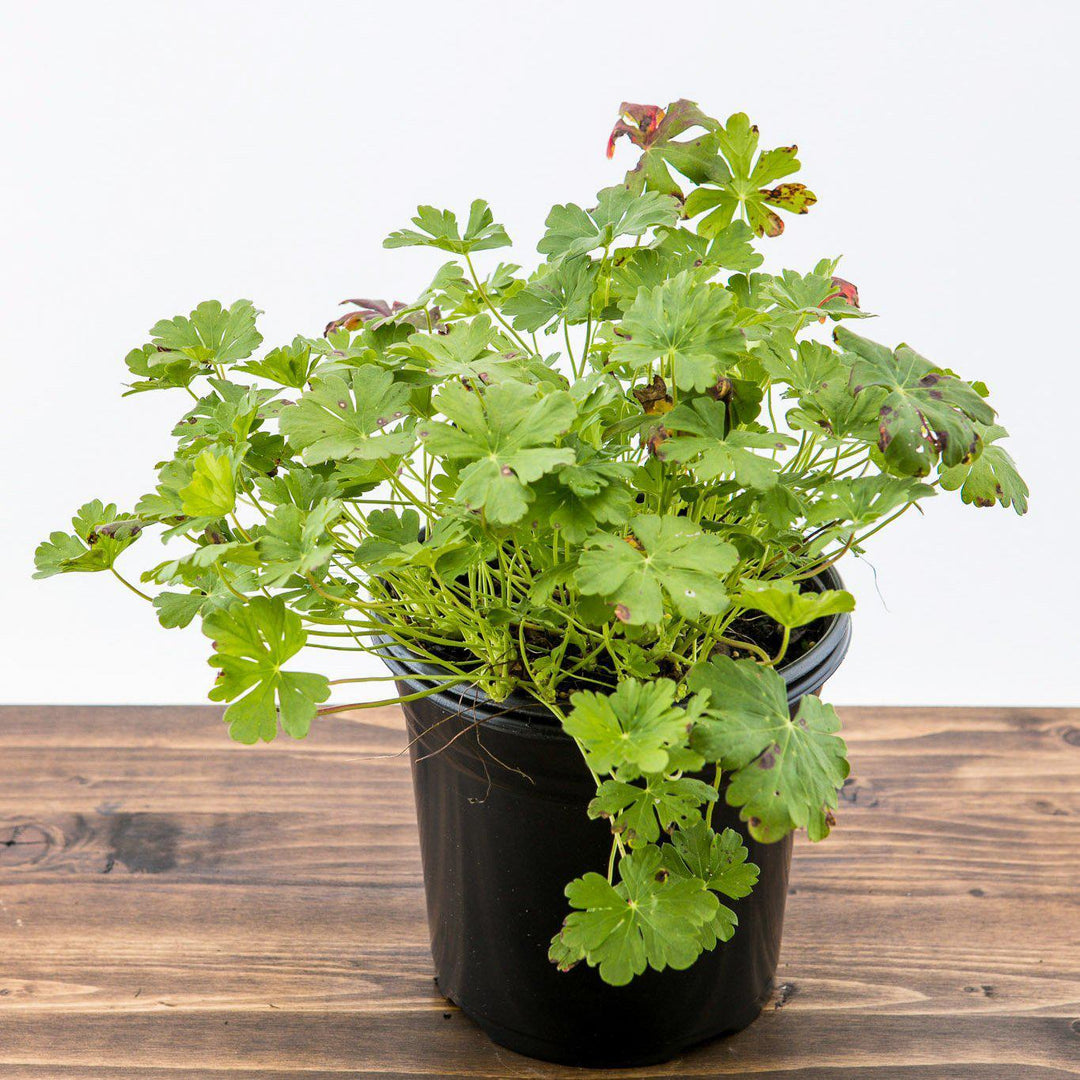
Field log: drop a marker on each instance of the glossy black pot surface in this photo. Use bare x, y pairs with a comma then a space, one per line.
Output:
501, 796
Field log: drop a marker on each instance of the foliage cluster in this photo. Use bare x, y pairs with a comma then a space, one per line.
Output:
589, 482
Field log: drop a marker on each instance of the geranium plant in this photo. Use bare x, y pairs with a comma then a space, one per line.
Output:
612, 482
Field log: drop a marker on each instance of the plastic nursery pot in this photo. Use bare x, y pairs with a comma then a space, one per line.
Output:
501, 796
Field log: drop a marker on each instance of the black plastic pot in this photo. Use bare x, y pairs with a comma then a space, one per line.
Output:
501, 794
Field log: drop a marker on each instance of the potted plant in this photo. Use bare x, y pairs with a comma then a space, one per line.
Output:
588, 516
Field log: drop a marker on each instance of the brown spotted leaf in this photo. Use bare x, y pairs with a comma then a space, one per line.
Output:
672, 557
927, 414
744, 193
991, 478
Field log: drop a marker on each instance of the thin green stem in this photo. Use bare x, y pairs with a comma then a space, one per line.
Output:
127, 584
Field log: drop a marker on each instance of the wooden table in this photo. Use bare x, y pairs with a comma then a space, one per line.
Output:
174, 906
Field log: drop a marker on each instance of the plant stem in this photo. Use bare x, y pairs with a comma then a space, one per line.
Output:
127, 584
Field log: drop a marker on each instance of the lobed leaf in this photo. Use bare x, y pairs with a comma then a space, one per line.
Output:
785, 770
665, 555
439, 229
648, 919
251, 643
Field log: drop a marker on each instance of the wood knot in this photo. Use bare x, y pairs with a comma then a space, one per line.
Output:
25, 843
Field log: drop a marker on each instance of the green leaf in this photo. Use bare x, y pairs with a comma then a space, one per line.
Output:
211, 492
632, 729
572, 231
861, 500
389, 534
638, 812
832, 410
719, 860
676, 250
698, 853
194, 564
649, 919
927, 413
665, 555
787, 605
465, 351
686, 324
805, 366
290, 365
714, 451
559, 292
164, 504
786, 770
992, 477
345, 417
439, 229
731, 248
159, 369
60, 554
223, 419
299, 486
211, 334
101, 534
504, 438
743, 191
296, 541
252, 641
576, 499
813, 295
177, 610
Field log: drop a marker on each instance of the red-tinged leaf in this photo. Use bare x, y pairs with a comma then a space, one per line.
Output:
844, 291
639, 126
379, 311
653, 130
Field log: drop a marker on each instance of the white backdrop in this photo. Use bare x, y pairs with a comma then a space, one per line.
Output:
156, 154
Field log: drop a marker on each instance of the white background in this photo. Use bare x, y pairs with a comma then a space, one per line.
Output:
154, 155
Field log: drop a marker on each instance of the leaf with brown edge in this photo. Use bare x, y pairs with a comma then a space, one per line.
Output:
991, 478
927, 413
745, 191
654, 131
654, 397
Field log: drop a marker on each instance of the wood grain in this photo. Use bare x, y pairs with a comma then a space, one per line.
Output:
174, 906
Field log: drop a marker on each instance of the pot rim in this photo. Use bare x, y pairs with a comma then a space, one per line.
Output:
525, 715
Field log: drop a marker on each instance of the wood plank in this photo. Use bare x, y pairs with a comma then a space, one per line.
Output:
172, 905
